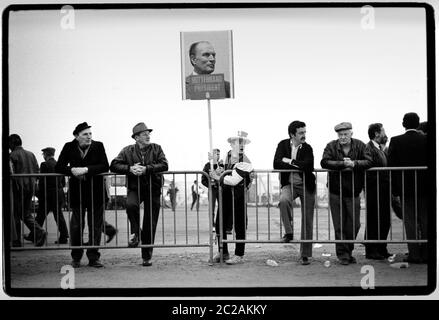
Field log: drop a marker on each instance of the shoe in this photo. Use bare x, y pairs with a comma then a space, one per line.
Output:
287, 237
352, 260
146, 263
344, 261
375, 256
62, 241
386, 254
304, 261
134, 242
29, 237
235, 260
217, 258
41, 239
95, 264
111, 235
76, 263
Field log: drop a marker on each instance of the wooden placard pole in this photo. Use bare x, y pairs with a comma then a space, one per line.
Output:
210, 130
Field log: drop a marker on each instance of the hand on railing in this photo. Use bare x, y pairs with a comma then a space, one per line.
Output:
138, 169
79, 172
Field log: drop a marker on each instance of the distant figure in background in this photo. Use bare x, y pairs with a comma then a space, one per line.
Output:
83, 159
218, 166
51, 196
195, 195
23, 162
377, 195
172, 193
410, 150
347, 157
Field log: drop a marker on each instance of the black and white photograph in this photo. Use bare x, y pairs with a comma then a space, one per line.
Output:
166, 150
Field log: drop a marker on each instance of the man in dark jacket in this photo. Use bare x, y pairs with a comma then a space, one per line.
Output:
347, 157
295, 154
409, 150
378, 196
142, 162
24, 162
51, 195
83, 159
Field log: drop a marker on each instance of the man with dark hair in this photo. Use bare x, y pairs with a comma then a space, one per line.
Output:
423, 127
51, 195
24, 162
347, 159
295, 154
410, 150
202, 56
377, 195
142, 162
83, 159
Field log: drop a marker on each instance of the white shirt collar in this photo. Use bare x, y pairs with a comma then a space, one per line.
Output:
411, 130
375, 144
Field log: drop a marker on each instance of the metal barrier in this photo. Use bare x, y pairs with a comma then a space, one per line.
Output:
261, 218
176, 228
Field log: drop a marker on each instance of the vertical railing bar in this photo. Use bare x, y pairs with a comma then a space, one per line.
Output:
366, 231
416, 207
390, 204
378, 204
316, 205
257, 211
268, 207
198, 209
403, 205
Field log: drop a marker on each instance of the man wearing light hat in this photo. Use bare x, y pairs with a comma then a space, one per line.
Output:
83, 159
348, 158
142, 162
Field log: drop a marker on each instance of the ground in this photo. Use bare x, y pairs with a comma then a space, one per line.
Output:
188, 267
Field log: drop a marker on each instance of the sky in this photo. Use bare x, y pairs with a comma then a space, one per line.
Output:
116, 68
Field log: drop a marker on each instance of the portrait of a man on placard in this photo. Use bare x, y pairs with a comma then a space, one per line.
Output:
207, 65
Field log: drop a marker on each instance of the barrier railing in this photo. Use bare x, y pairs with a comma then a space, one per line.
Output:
260, 217
176, 225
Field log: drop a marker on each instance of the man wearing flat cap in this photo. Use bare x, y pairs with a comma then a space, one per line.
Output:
51, 195
83, 159
347, 159
141, 163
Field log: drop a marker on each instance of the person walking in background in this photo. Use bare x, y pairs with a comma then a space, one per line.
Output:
172, 193
347, 157
83, 159
142, 162
410, 150
24, 162
195, 189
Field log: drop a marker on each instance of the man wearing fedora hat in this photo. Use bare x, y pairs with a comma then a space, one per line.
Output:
142, 162
234, 189
51, 195
348, 159
82, 160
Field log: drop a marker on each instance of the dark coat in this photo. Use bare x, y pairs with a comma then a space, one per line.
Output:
23, 161
96, 161
206, 169
408, 150
333, 160
377, 179
49, 187
154, 160
304, 161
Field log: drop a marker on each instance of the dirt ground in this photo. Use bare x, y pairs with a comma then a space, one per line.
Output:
188, 267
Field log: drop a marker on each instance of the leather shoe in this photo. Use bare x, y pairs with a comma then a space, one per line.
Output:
287, 237
352, 260
41, 239
95, 264
146, 263
111, 235
29, 237
344, 261
76, 263
375, 256
304, 261
134, 242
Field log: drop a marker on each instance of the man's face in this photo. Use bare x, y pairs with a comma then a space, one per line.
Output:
300, 135
204, 58
216, 156
344, 136
84, 137
381, 138
143, 138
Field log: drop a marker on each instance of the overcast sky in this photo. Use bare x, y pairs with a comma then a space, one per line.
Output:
119, 67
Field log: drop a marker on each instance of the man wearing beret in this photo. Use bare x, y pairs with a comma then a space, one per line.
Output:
347, 160
142, 162
83, 159
51, 195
